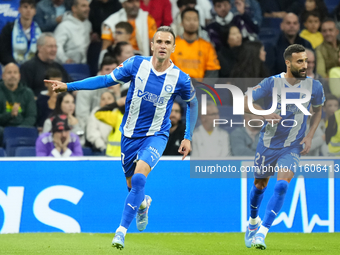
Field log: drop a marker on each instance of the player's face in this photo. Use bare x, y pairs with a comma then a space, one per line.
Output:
163, 45
190, 22
11, 76
222, 8
106, 98
312, 24
27, 11
127, 52
67, 105
298, 65
107, 69
131, 7
329, 31
330, 107
175, 115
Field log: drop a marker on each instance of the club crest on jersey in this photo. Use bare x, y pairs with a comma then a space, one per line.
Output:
168, 88
257, 87
121, 65
150, 97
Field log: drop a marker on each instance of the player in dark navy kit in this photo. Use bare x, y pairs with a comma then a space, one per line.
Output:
282, 139
155, 82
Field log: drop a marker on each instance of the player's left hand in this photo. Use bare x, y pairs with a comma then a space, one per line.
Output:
185, 148
308, 144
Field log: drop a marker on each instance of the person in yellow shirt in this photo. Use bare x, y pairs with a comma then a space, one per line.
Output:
144, 26
194, 55
311, 21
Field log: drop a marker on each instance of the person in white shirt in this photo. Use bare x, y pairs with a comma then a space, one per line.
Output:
209, 142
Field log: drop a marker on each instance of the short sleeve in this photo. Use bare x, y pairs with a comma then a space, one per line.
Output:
213, 63
107, 33
123, 73
188, 91
263, 89
318, 96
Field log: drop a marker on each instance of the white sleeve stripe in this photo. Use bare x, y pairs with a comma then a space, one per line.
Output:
190, 98
114, 78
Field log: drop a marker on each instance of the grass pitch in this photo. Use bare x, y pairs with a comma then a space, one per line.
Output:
167, 244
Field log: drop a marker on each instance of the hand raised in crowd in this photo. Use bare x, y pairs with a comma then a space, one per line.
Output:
57, 86
15, 109
57, 142
69, 61
72, 120
59, 19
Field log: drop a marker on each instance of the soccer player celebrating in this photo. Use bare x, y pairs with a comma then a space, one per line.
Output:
279, 144
155, 82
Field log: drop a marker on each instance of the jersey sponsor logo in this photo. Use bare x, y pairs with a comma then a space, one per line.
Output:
121, 65
150, 97
154, 150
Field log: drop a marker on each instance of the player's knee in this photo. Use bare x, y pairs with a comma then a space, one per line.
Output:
138, 181
281, 187
260, 183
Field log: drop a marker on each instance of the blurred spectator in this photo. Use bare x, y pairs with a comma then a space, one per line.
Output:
250, 63
311, 65
223, 17
243, 140
18, 39
73, 34
290, 28
123, 33
333, 134
97, 132
65, 105
144, 26
59, 142
50, 13
229, 52
194, 55
176, 131
9, 11
209, 142
17, 104
87, 100
177, 21
33, 71
327, 54
160, 10
315, 5
334, 80
47, 98
112, 115
252, 8
247, 24
311, 22
279, 8
331, 105
336, 15
100, 10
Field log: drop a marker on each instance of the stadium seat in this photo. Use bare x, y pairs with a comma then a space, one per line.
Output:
77, 71
87, 151
331, 4
13, 143
28, 151
13, 132
271, 23
2, 152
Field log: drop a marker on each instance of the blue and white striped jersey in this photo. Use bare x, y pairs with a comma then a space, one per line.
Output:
150, 96
278, 136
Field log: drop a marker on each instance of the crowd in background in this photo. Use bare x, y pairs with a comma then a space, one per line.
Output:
218, 40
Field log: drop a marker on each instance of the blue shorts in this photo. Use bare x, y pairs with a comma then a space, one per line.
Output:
268, 161
149, 149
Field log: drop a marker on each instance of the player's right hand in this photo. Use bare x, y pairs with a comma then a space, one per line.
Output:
272, 118
57, 86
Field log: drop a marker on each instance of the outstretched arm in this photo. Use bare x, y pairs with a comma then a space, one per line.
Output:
191, 118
